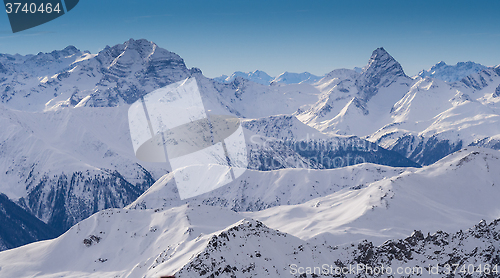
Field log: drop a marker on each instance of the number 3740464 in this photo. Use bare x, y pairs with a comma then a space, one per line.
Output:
32, 8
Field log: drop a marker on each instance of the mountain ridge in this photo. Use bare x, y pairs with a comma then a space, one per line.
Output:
66, 148
209, 241
451, 73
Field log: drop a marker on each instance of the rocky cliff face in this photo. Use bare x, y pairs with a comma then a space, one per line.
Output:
257, 251
382, 70
118, 74
20, 227
133, 69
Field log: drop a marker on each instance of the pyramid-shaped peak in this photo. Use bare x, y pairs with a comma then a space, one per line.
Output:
379, 51
381, 62
382, 70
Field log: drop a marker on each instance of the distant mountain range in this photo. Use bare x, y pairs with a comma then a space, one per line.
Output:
263, 78
440, 71
450, 73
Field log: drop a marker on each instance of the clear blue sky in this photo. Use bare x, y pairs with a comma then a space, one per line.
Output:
222, 36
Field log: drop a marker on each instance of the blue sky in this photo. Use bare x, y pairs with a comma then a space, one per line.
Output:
222, 36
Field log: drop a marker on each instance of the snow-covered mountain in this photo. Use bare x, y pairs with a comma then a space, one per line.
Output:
368, 104
373, 104
118, 74
256, 76
282, 141
464, 113
423, 119
263, 78
246, 248
447, 200
358, 103
450, 73
63, 166
71, 159
66, 153
295, 78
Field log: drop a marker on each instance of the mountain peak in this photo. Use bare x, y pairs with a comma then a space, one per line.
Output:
440, 64
379, 51
382, 62
381, 71
139, 44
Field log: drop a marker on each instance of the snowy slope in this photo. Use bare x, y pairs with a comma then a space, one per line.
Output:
123, 243
257, 251
195, 240
198, 247
435, 118
248, 99
83, 156
452, 194
450, 73
62, 166
66, 150
283, 141
257, 190
337, 89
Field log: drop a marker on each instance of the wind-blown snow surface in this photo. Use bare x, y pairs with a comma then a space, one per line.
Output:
196, 240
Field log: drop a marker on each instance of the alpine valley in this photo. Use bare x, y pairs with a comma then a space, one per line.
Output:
364, 168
